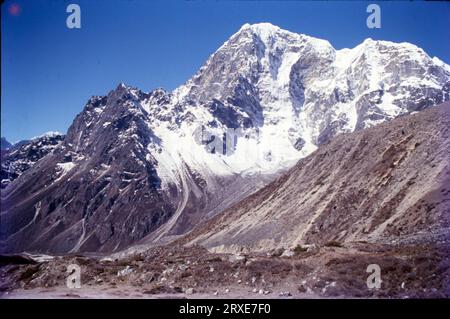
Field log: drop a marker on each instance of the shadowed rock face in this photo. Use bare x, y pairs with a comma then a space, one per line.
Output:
389, 183
98, 190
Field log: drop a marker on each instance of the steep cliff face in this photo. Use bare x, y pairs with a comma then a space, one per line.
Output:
138, 167
389, 183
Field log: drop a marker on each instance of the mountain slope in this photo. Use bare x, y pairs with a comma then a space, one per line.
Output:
99, 190
387, 183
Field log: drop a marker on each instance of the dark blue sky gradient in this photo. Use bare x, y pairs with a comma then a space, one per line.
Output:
49, 71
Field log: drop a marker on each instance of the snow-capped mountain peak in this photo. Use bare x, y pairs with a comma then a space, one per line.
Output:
296, 91
278, 95
281, 94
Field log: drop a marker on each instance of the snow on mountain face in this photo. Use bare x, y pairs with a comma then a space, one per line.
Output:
150, 166
289, 93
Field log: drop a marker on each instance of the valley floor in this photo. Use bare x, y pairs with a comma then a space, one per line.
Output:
335, 270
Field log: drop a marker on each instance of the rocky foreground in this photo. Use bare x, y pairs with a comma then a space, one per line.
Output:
328, 271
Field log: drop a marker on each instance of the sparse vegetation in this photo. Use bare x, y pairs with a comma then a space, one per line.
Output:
299, 249
333, 243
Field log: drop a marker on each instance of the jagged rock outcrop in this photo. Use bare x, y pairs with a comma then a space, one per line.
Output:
21, 156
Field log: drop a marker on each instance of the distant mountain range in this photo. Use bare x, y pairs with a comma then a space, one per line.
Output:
146, 168
19, 157
5, 144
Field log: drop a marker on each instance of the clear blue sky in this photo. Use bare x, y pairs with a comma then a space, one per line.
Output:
49, 71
